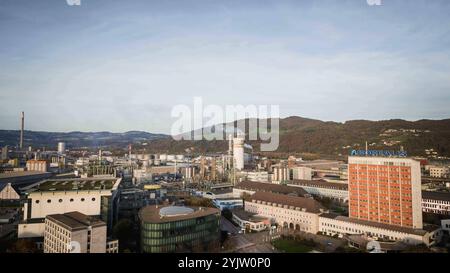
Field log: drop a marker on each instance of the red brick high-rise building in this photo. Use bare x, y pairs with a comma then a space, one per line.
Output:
385, 190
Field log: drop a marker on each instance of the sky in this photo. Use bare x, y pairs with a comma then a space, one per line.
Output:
116, 65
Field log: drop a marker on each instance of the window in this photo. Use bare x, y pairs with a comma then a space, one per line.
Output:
49, 201
71, 199
37, 201
60, 200
82, 199
93, 198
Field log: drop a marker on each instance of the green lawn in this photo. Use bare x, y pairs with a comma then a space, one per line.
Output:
291, 246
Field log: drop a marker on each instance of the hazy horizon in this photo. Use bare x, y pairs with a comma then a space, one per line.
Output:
162, 133
121, 66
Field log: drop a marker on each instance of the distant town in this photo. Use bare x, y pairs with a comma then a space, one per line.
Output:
70, 200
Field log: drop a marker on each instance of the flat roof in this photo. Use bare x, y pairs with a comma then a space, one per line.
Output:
74, 184
407, 230
436, 195
248, 216
270, 187
320, 184
20, 174
152, 214
309, 204
76, 220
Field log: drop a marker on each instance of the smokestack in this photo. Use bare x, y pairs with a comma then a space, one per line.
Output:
21, 130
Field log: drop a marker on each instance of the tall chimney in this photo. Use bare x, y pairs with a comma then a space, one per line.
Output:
21, 130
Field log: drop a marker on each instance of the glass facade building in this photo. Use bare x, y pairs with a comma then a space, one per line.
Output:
195, 232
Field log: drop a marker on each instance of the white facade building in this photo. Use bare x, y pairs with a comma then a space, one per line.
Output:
436, 202
7, 192
256, 176
338, 225
87, 196
439, 171
74, 232
280, 174
303, 173
61, 147
322, 188
297, 213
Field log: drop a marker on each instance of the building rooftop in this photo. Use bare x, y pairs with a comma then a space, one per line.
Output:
19, 174
320, 184
74, 184
436, 195
164, 214
248, 216
270, 187
75, 220
407, 230
309, 204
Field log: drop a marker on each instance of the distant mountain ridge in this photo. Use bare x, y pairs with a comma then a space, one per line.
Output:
297, 135
304, 135
76, 139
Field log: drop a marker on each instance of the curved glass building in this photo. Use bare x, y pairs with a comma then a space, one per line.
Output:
179, 229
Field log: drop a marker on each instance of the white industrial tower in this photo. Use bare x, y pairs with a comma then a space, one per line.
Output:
238, 152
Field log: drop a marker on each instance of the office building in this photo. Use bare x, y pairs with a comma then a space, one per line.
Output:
331, 225
90, 196
259, 176
321, 188
74, 232
436, 202
250, 221
385, 190
439, 171
179, 229
287, 211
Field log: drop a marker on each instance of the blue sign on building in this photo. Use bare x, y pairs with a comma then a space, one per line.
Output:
379, 153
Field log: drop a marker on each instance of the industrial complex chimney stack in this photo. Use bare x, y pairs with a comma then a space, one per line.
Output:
21, 130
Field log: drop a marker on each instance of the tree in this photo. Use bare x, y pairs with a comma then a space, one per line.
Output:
24, 246
123, 231
227, 214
